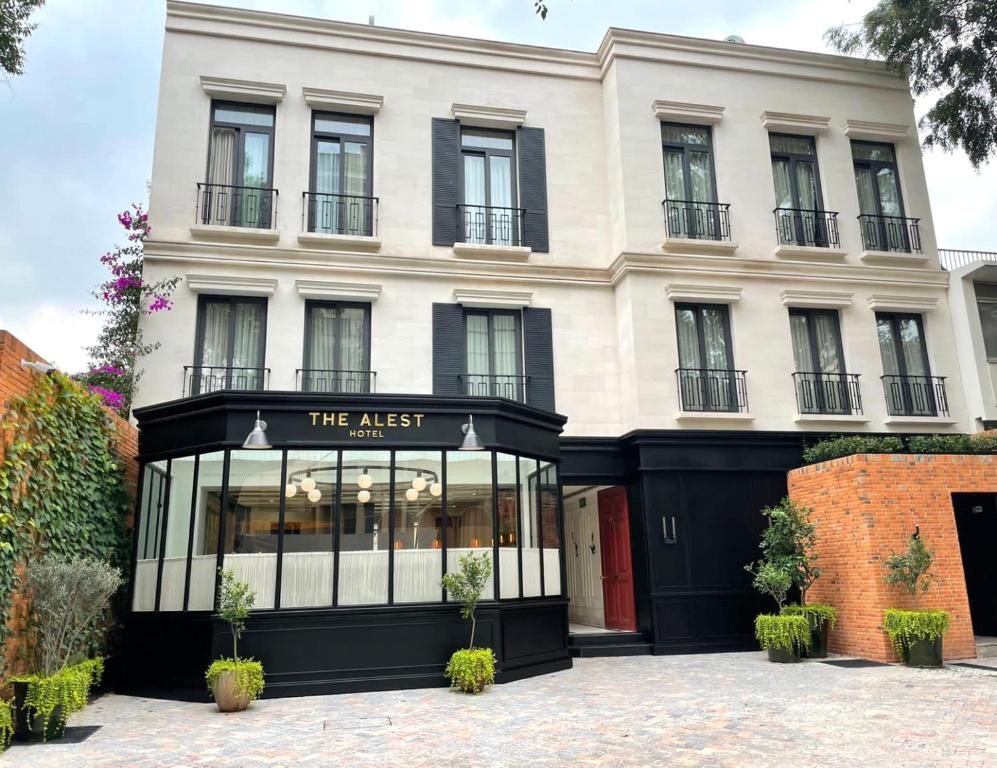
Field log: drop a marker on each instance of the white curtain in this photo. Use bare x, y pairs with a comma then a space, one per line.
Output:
475, 227
351, 339
322, 339
801, 343
248, 330
478, 365
355, 184
326, 213
503, 222
828, 343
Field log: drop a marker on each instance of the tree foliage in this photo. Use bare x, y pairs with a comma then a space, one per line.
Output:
789, 556
235, 601
14, 30
911, 569
465, 586
943, 46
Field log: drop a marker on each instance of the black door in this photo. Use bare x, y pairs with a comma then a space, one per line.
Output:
976, 522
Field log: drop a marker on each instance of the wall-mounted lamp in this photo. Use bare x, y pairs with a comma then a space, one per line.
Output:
471, 441
257, 440
34, 365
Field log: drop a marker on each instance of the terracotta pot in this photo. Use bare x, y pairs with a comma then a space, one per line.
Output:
28, 727
228, 696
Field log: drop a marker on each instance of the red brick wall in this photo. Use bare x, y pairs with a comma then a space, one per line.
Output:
866, 507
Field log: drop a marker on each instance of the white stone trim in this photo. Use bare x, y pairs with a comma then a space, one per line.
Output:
895, 258
830, 418
786, 122
488, 117
243, 90
888, 303
232, 285
234, 234
477, 297
809, 253
712, 416
335, 242
321, 289
684, 112
866, 129
920, 421
708, 293
679, 245
342, 101
491, 251
816, 299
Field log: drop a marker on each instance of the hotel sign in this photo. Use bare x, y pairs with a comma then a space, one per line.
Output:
367, 425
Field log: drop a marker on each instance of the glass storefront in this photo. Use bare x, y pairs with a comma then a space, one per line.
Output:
324, 528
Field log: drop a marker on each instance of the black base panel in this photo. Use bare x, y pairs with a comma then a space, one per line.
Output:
973, 666
74, 734
854, 663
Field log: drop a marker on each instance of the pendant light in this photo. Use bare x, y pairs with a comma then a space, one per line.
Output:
257, 440
471, 441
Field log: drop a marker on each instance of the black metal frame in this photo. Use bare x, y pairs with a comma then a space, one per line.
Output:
365, 204
717, 211
735, 380
879, 229
514, 216
202, 301
824, 388
311, 304
491, 380
902, 381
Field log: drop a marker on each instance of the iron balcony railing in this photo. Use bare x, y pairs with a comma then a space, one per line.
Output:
513, 387
828, 393
798, 226
713, 390
697, 220
953, 259
226, 205
890, 233
331, 214
915, 395
490, 225
199, 379
334, 381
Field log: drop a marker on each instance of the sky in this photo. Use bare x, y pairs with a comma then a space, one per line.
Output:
76, 130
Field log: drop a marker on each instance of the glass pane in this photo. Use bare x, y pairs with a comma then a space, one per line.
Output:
700, 177
246, 114
988, 321
684, 134
529, 525
364, 542
150, 521
887, 346
889, 193
252, 206
177, 534
247, 362
912, 346
486, 139
799, 331
506, 362
358, 126
324, 210
864, 151
502, 223
478, 365
688, 338
321, 345
783, 186
828, 343
256, 166
475, 221
866, 191
507, 492
806, 185
208, 500
791, 145
352, 348
469, 509
355, 158
214, 341
674, 176
715, 338
252, 517
309, 529
549, 503
418, 518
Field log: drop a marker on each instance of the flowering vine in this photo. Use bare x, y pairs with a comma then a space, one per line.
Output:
127, 296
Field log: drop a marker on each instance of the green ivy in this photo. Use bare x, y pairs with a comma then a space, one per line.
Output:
836, 447
817, 614
68, 688
907, 627
471, 669
248, 675
6, 723
62, 487
783, 633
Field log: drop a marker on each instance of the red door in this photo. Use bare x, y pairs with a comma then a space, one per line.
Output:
617, 570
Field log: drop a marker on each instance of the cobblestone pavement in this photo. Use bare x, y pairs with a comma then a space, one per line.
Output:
704, 710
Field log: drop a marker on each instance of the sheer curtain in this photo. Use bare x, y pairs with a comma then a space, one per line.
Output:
802, 355
678, 219
322, 335
256, 177
351, 348
705, 224
247, 332
887, 347
506, 368
475, 229
503, 222
355, 184
477, 354
326, 216
828, 343
215, 205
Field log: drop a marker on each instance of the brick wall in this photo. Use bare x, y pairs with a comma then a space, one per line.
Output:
866, 507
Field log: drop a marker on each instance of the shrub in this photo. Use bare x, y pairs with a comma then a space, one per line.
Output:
465, 585
235, 601
817, 614
6, 723
907, 627
783, 633
979, 443
788, 550
773, 579
848, 445
69, 688
471, 669
911, 569
248, 675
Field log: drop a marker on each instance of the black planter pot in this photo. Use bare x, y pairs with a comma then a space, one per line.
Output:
924, 653
781, 656
29, 727
818, 642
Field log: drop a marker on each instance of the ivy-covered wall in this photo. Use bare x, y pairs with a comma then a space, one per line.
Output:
67, 479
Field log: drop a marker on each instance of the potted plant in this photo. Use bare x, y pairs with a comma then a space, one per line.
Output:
821, 619
915, 634
6, 723
470, 669
784, 636
68, 606
235, 682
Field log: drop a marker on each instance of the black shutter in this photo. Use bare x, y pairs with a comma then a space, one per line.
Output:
533, 187
538, 339
446, 163
448, 349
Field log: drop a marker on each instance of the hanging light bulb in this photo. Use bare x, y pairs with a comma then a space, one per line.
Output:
314, 495
436, 489
412, 494
419, 483
364, 496
308, 484
365, 481
290, 490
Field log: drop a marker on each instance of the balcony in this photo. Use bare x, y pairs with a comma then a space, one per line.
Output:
225, 205
334, 381
512, 387
200, 379
695, 227
827, 394
330, 214
712, 390
915, 395
890, 234
807, 228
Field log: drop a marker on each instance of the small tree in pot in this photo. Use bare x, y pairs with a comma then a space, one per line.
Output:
235, 682
785, 637
916, 635
470, 669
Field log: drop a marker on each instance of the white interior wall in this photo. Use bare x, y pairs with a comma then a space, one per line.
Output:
582, 565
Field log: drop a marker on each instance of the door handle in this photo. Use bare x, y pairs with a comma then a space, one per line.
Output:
674, 537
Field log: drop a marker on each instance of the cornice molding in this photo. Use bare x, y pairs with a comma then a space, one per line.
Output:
715, 293
321, 289
243, 90
816, 299
343, 101
477, 297
488, 117
890, 303
865, 129
807, 125
684, 112
232, 285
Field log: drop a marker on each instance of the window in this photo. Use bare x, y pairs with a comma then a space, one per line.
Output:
240, 159
881, 206
488, 212
799, 216
230, 344
986, 302
907, 380
150, 515
340, 199
337, 348
690, 188
418, 516
493, 354
707, 381
822, 386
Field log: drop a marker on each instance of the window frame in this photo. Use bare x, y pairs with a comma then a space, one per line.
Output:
202, 301
794, 158
685, 148
337, 341
989, 301
809, 313
874, 166
340, 137
239, 157
697, 308
517, 316
894, 319
487, 153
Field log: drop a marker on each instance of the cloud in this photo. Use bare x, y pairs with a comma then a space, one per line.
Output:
60, 334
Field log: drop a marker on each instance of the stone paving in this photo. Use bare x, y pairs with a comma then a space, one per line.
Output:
705, 710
